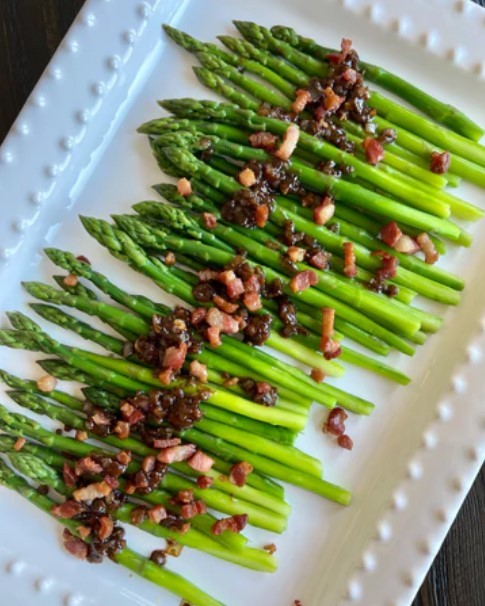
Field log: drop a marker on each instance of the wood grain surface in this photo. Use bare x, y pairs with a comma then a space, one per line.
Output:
30, 31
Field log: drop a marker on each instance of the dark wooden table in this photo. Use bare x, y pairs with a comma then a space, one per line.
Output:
30, 31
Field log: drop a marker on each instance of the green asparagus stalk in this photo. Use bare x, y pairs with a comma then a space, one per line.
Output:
135, 378
343, 290
443, 113
284, 211
396, 113
128, 558
345, 191
219, 497
300, 478
409, 141
299, 352
194, 46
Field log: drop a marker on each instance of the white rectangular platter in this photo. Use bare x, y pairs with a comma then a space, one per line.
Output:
74, 149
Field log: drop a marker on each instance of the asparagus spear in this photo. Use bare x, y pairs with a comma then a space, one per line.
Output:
389, 109
285, 211
346, 191
134, 378
298, 478
35, 468
260, 507
253, 359
443, 113
128, 558
254, 67
409, 141
68, 261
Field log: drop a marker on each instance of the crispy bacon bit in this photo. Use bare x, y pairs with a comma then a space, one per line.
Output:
324, 211
19, 444
210, 220
214, 336
318, 260
303, 280
387, 136
190, 510
427, 246
390, 234
87, 465
166, 442
185, 496
270, 548
374, 152
247, 177
170, 258
335, 423
106, 527
204, 482
222, 321
261, 215
329, 346
231, 382
350, 268
101, 419
174, 357
303, 97
84, 532
98, 490
235, 288
205, 275
252, 301
74, 545
134, 415
157, 514
389, 266
148, 464
176, 454
139, 515
227, 276
122, 429
332, 101
406, 245
199, 371
184, 187
344, 441
345, 47
296, 254
201, 462
198, 315
252, 284
317, 375
46, 383
69, 475
225, 306
239, 473
263, 140
83, 259
440, 162
81, 436
166, 376
290, 141
350, 75
71, 280
67, 510
233, 524
297, 603
124, 457
173, 548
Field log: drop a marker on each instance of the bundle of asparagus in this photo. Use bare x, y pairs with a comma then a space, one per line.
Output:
301, 205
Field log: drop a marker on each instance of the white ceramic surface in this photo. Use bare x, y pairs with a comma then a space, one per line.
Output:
73, 149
